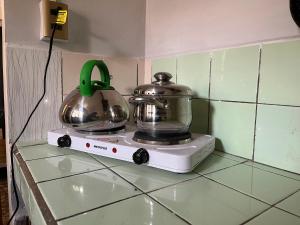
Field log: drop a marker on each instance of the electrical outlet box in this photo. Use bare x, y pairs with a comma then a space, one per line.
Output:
48, 11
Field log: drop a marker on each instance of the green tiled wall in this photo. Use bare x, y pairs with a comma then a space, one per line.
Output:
234, 74
193, 71
247, 97
280, 74
165, 65
232, 123
278, 136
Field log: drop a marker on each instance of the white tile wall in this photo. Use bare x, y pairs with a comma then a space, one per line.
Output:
124, 73
71, 67
25, 72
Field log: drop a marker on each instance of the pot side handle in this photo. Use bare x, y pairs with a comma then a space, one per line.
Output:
153, 101
86, 86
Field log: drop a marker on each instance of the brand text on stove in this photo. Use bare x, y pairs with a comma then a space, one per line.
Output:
100, 147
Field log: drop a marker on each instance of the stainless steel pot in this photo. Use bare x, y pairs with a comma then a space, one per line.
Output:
94, 105
162, 107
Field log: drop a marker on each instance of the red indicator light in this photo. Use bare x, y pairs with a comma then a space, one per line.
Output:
87, 145
114, 150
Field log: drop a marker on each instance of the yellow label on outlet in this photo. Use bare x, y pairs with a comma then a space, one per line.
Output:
62, 16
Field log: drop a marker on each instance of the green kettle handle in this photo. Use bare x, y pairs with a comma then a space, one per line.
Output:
86, 86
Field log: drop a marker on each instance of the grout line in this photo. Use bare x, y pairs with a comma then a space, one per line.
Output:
176, 68
62, 78
67, 176
261, 103
272, 171
146, 193
284, 210
254, 197
233, 101
252, 179
273, 206
222, 168
286, 197
99, 207
198, 98
164, 206
209, 103
196, 174
204, 176
112, 166
30, 145
151, 75
218, 182
253, 217
221, 48
173, 184
91, 155
105, 167
45, 211
29, 160
209, 76
109, 168
227, 157
199, 175
256, 105
137, 74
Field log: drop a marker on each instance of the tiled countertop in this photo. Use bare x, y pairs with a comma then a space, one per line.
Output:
65, 187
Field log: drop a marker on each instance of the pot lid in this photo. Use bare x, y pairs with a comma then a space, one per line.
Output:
163, 86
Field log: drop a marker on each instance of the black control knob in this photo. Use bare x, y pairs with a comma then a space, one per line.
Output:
140, 156
64, 141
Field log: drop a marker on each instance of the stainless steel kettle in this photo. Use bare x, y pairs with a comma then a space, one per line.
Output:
94, 105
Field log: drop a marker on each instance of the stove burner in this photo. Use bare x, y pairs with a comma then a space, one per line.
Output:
162, 138
103, 132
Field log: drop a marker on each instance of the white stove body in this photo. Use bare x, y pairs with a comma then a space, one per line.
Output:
181, 158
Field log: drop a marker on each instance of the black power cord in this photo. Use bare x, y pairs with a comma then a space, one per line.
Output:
23, 129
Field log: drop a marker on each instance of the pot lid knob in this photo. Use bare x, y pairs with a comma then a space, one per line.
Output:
163, 77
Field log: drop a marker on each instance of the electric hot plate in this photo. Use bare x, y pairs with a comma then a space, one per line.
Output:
179, 158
